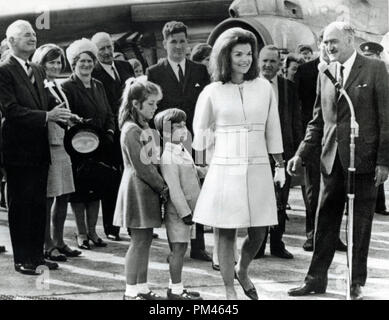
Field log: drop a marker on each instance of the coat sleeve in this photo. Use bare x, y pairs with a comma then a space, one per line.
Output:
14, 112
382, 98
204, 123
273, 133
170, 173
142, 164
314, 132
297, 120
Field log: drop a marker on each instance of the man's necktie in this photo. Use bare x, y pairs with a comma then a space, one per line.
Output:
30, 73
340, 80
116, 74
180, 75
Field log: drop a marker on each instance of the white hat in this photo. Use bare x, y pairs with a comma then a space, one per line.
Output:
78, 47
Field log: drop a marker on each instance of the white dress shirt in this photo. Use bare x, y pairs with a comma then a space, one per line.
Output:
174, 66
347, 67
109, 70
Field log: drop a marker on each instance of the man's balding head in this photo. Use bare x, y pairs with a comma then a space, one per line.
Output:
21, 38
338, 39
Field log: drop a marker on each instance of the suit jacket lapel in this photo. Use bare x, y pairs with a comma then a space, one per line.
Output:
40, 88
170, 71
188, 71
19, 69
355, 70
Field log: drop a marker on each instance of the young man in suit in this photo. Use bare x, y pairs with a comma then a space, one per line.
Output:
366, 82
306, 81
290, 119
26, 147
113, 74
181, 81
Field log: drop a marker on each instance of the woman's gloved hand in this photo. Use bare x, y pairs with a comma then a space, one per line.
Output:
279, 176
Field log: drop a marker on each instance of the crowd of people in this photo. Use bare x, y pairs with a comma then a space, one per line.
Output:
213, 136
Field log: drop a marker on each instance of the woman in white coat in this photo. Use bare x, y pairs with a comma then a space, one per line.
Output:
236, 120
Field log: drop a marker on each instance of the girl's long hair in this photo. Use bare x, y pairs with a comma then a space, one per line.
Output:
138, 89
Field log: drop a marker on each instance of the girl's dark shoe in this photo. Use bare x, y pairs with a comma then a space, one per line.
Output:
98, 243
83, 244
151, 296
69, 252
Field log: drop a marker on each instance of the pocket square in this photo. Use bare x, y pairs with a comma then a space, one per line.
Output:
362, 85
197, 85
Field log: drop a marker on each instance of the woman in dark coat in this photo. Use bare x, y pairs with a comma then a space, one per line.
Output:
88, 100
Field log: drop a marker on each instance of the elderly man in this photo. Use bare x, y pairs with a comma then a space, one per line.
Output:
26, 147
113, 74
366, 81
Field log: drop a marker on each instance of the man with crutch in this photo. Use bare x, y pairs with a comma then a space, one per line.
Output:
366, 83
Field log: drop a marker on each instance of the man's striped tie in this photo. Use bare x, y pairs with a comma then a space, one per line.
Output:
30, 73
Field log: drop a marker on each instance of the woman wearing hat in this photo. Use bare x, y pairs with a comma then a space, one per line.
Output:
88, 100
60, 179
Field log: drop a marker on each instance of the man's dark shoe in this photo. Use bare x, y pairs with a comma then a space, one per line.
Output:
341, 246
308, 245
309, 286
383, 212
2, 249
356, 292
282, 253
183, 296
28, 269
201, 255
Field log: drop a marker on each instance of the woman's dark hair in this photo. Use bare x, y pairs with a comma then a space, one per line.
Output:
77, 57
137, 89
200, 52
292, 58
48, 52
220, 62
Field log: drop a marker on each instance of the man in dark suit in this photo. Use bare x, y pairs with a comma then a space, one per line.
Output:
26, 147
306, 81
366, 82
374, 50
181, 81
113, 74
290, 119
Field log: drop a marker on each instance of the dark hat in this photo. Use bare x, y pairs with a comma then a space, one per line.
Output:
371, 48
83, 140
304, 47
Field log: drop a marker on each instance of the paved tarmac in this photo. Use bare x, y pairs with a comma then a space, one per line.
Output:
99, 274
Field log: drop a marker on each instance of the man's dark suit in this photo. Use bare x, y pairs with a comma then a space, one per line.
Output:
290, 119
113, 89
367, 86
26, 158
306, 82
182, 97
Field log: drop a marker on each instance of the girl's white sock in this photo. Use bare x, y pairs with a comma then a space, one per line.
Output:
131, 290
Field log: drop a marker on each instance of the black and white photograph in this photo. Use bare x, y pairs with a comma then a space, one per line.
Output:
211, 151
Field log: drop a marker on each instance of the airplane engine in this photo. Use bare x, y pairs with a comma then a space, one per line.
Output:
282, 32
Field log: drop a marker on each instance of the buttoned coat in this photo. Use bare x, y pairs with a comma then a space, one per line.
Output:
25, 107
175, 96
368, 88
